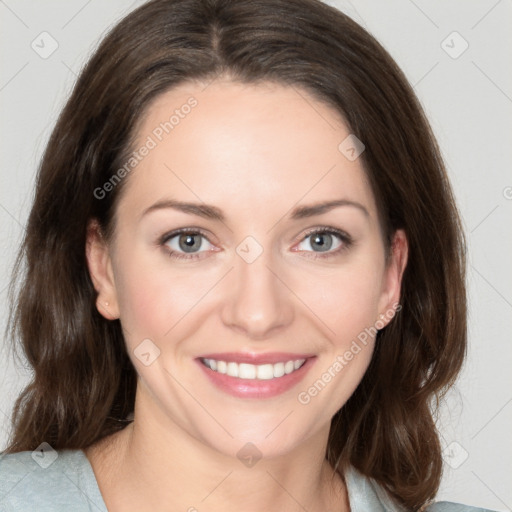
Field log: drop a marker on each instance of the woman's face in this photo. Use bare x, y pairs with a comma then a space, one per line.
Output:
249, 172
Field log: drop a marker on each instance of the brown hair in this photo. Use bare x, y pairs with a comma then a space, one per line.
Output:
83, 385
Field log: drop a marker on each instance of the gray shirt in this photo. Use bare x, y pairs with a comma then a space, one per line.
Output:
60, 481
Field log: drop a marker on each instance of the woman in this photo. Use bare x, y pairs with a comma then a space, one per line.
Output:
244, 282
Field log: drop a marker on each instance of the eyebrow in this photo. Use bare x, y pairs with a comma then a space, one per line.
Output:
212, 212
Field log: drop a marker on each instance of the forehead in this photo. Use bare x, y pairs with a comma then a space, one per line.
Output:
243, 147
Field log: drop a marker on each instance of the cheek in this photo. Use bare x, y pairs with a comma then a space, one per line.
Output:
147, 302
139, 295
153, 298
345, 300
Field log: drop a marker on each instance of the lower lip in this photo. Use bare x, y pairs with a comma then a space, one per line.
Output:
255, 388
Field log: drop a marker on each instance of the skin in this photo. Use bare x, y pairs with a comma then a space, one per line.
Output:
255, 152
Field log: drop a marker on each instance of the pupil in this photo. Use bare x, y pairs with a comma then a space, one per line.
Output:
188, 242
319, 241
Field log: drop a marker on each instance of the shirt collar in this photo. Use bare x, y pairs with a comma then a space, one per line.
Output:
365, 494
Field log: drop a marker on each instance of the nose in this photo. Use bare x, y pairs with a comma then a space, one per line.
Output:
258, 302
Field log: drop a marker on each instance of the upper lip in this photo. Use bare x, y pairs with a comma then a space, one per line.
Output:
256, 359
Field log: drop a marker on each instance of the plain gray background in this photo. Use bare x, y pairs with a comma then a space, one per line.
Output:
467, 94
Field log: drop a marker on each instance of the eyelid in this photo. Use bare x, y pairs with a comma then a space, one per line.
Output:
179, 231
346, 242
178, 255
326, 229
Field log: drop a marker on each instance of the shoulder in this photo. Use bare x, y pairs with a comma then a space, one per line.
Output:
48, 480
448, 506
366, 494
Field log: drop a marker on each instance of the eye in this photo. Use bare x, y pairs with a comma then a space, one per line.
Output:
329, 241
190, 244
186, 244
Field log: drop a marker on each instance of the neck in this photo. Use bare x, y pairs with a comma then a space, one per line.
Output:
158, 466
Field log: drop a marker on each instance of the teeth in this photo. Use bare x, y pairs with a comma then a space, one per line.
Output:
232, 369
251, 371
245, 371
265, 371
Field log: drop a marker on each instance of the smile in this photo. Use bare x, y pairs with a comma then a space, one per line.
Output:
252, 371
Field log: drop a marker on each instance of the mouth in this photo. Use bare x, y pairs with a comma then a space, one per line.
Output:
255, 376
252, 371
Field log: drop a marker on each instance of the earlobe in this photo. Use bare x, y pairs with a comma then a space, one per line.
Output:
100, 269
105, 309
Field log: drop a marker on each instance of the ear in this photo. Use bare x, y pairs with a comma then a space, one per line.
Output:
390, 297
100, 269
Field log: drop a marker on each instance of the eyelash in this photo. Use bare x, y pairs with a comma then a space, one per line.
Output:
346, 240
